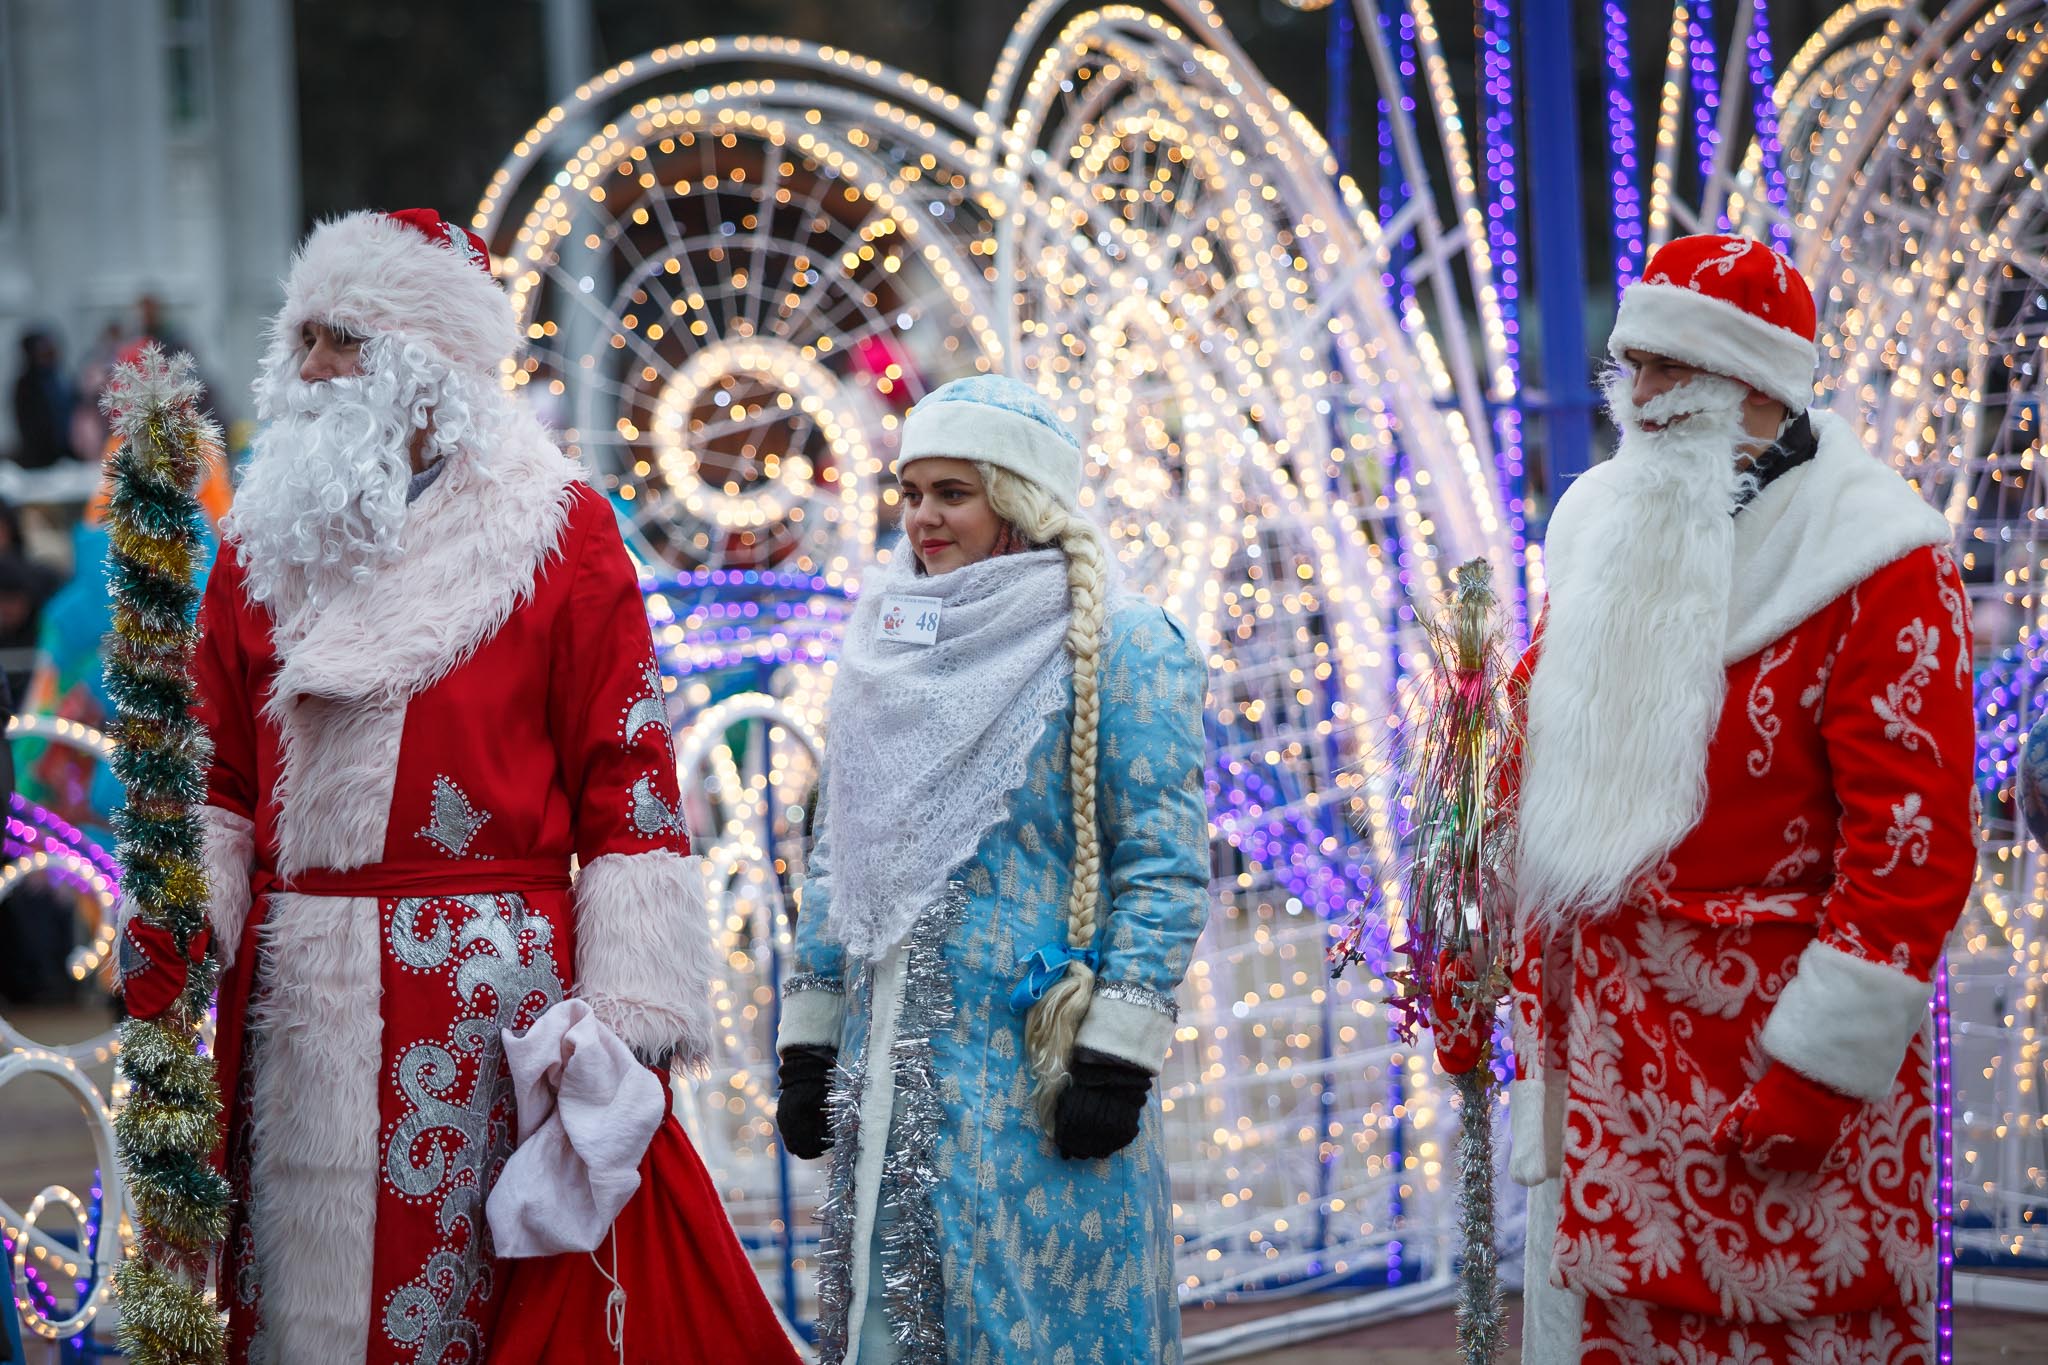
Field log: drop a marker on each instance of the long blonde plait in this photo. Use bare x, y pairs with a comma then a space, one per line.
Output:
1055, 1020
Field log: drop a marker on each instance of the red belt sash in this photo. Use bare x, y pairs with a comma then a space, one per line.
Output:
400, 879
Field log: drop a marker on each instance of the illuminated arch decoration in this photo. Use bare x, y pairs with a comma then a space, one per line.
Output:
739, 261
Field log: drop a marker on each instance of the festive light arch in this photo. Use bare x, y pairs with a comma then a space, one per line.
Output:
1286, 450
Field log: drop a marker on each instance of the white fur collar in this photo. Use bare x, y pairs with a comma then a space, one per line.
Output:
1816, 533
473, 544
1811, 536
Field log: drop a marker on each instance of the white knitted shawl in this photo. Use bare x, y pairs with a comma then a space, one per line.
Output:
925, 743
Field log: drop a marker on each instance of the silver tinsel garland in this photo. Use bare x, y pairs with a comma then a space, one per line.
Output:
1482, 1315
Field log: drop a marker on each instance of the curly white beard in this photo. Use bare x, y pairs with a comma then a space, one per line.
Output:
323, 502
1630, 681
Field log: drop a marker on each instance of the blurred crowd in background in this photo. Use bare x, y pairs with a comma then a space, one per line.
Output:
55, 611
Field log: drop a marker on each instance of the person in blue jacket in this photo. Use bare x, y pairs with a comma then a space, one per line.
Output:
1010, 875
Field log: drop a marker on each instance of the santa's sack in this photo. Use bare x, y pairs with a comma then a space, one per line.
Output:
690, 1296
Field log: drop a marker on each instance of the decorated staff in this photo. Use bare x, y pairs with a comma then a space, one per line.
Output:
1457, 740
168, 1129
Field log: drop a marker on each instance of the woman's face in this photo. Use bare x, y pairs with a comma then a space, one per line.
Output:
946, 514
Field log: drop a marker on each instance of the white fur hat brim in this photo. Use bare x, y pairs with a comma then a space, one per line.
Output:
1716, 336
993, 435
377, 276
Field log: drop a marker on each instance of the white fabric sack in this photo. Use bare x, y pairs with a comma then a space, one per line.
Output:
587, 1110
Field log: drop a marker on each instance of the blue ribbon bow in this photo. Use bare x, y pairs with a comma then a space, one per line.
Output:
1047, 966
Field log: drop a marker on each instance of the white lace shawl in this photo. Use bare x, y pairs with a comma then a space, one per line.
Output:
925, 743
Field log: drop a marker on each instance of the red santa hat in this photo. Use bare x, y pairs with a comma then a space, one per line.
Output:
412, 274
1727, 305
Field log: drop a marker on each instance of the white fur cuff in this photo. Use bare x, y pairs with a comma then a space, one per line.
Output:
810, 1018
1535, 1130
1847, 1022
1716, 336
644, 955
1133, 1033
227, 852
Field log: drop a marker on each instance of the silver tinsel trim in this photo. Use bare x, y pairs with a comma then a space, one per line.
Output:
913, 1282
1159, 1002
1482, 1318
797, 982
913, 1278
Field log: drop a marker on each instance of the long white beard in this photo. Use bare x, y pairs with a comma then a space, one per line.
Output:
1630, 681
323, 502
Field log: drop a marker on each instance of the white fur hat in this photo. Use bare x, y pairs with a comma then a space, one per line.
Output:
998, 421
411, 274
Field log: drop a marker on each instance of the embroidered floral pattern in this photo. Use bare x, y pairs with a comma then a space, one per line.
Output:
1908, 836
1899, 707
652, 816
1761, 700
455, 822
647, 708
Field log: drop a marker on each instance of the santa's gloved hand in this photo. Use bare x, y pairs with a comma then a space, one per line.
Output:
806, 1076
1099, 1111
153, 971
1459, 1027
1786, 1121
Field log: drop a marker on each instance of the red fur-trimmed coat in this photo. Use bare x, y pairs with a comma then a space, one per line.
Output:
404, 777
1797, 925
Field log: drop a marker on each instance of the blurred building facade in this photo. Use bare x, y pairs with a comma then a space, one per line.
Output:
148, 148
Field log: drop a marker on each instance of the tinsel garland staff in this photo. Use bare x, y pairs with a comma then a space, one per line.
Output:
1455, 755
170, 1125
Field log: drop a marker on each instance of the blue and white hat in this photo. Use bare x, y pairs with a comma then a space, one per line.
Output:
1003, 422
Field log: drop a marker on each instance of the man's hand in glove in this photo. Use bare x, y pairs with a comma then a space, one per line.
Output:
1786, 1121
153, 971
1099, 1110
800, 1114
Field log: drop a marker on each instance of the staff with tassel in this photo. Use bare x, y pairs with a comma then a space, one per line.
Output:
1456, 744
170, 1125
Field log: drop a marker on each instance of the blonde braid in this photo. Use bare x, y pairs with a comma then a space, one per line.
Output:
1055, 1020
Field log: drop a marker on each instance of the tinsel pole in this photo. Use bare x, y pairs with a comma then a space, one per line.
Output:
168, 1129
1456, 740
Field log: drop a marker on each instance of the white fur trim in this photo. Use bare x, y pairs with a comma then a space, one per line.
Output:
877, 1106
811, 1019
333, 788
315, 1035
227, 852
1535, 1129
1816, 533
963, 430
474, 544
1553, 1318
1716, 336
379, 277
1846, 1021
644, 955
1128, 1031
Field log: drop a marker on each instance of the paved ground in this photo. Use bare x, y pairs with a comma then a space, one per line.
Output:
43, 1142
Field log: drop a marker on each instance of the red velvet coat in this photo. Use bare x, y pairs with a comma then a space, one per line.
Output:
1796, 926
404, 776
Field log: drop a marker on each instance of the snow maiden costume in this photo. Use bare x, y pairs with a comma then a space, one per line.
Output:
956, 979
1746, 833
426, 693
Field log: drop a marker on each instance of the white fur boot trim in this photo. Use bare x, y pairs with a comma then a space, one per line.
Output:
315, 1040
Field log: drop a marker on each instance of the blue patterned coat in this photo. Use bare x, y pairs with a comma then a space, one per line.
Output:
989, 1246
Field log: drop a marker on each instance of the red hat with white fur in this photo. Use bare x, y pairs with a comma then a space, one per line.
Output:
412, 274
1727, 305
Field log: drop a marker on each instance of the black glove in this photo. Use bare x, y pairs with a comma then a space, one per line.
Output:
1098, 1112
806, 1074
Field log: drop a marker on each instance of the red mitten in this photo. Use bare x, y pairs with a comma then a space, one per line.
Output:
153, 971
1786, 1122
1460, 1027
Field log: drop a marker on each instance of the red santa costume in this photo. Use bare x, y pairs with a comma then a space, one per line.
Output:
427, 693
1747, 830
